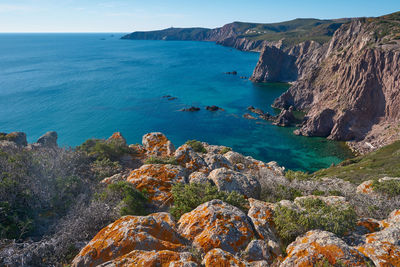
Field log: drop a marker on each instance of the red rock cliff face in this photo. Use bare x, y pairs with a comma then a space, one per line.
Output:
349, 87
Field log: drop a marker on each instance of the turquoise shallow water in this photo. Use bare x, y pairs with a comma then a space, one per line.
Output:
91, 85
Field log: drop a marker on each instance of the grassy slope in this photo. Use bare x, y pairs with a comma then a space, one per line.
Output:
294, 31
378, 164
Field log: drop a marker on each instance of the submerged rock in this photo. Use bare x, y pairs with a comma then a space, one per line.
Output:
191, 109
213, 108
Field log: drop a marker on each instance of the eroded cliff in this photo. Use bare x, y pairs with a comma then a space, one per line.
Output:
349, 87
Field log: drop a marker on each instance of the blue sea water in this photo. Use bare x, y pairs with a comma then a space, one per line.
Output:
91, 85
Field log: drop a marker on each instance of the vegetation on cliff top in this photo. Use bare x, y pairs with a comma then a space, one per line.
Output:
378, 164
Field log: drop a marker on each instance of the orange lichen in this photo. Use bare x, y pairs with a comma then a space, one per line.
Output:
127, 234
156, 144
157, 180
382, 253
370, 225
150, 258
220, 258
216, 226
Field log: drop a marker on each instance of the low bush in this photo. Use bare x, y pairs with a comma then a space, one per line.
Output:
197, 146
102, 149
187, 197
161, 160
225, 150
316, 214
296, 175
103, 168
388, 187
280, 192
129, 200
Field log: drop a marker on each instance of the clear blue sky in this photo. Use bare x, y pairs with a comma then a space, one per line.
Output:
131, 15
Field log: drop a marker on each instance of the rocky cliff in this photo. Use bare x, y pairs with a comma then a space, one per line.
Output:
349, 87
249, 36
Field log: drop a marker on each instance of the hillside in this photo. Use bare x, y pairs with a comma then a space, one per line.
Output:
348, 87
291, 32
108, 203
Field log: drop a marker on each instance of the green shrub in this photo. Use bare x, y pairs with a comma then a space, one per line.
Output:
296, 175
318, 193
279, 193
291, 223
197, 146
103, 168
335, 193
187, 197
225, 150
102, 149
131, 201
161, 160
389, 187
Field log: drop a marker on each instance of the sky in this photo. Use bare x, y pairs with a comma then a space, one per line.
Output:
141, 15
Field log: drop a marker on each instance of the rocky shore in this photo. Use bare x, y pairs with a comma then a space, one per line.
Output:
203, 205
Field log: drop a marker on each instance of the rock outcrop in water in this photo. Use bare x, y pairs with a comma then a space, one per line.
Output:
350, 87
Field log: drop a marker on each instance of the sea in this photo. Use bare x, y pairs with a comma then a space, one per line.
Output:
91, 85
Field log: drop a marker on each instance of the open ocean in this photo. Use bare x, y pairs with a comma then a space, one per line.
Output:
91, 85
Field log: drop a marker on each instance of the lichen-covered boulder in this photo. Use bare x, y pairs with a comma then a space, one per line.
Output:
198, 177
157, 144
365, 187
117, 136
190, 160
229, 180
258, 250
261, 214
383, 247
216, 224
153, 232
236, 158
216, 161
157, 180
219, 258
329, 200
163, 258
318, 247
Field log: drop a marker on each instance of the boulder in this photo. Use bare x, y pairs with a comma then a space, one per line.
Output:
258, 250
157, 180
130, 233
383, 247
216, 161
261, 214
114, 178
216, 224
156, 144
218, 257
18, 138
153, 259
229, 180
318, 247
190, 160
49, 139
198, 177
117, 136
249, 116
365, 187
